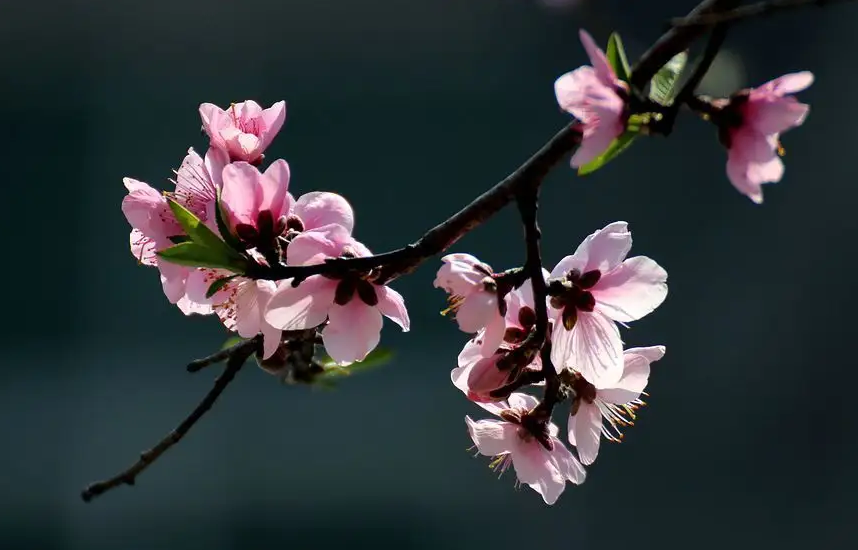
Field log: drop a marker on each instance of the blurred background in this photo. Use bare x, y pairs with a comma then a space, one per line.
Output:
410, 109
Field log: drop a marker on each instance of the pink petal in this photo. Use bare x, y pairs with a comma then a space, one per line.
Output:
523, 401
596, 349
535, 467
242, 194
636, 369
313, 247
491, 337
354, 330
274, 185
484, 377
738, 167
561, 346
215, 161
598, 59
775, 116
632, 290
270, 336
606, 248
492, 437
318, 209
200, 280
143, 248
391, 304
272, 119
567, 464
585, 430
789, 83
248, 315
212, 117
594, 144
247, 110
302, 307
173, 278
571, 91
477, 310
189, 307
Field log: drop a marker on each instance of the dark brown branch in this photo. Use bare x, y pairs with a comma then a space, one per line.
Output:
671, 43
746, 12
223, 355
129, 476
391, 265
686, 94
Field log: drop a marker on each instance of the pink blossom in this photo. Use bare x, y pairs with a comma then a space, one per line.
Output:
595, 96
753, 123
198, 181
595, 288
244, 130
256, 203
352, 305
480, 372
153, 225
616, 403
239, 304
473, 294
319, 208
540, 459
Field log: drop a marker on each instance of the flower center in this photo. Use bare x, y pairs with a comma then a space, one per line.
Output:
576, 295
245, 124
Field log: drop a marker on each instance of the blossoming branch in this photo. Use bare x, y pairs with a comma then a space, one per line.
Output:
306, 298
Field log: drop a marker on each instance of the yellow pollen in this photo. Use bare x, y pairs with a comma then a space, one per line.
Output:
781, 150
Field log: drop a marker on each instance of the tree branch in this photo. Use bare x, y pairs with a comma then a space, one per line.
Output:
128, 477
224, 354
745, 12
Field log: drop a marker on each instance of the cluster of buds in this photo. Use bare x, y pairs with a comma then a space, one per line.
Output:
589, 293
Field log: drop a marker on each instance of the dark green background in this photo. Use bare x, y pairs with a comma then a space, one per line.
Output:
409, 109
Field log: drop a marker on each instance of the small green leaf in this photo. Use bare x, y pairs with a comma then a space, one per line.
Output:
662, 87
199, 232
197, 255
617, 57
223, 227
231, 341
376, 358
615, 148
218, 284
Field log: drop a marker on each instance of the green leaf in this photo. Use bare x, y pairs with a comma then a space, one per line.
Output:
376, 358
617, 57
196, 255
615, 148
218, 284
223, 227
199, 232
662, 87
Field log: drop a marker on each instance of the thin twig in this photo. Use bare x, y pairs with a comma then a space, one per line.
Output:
671, 43
686, 94
223, 355
747, 12
129, 476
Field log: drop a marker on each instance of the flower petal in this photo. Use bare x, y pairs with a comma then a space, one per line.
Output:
597, 350
241, 194
636, 367
391, 304
317, 209
313, 247
301, 307
632, 290
598, 59
585, 431
272, 119
567, 464
353, 331
522, 401
535, 467
492, 437
274, 184
477, 310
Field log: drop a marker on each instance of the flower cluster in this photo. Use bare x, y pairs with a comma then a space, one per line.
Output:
749, 122
251, 209
589, 293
